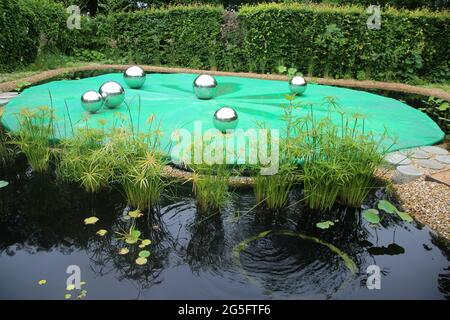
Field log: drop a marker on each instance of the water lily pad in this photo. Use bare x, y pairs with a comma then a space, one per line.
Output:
145, 243
405, 216
144, 254
131, 240
67, 296
135, 214
102, 232
324, 224
3, 183
42, 282
70, 287
135, 233
371, 215
124, 251
141, 261
386, 206
91, 220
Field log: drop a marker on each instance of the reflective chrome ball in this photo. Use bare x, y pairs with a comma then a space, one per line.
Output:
113, 94
205, 87
134, 77
225, 119
297, 85
91, 101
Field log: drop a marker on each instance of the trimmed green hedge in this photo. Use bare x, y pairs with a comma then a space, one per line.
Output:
335, 41
179, 36
317, 40
18, 36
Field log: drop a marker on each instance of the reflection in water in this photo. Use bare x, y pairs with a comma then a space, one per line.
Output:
192, 253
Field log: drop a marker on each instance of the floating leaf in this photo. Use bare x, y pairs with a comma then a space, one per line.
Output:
144, 254
371, 215
102, 232
91, 220
131, 240
141, 261
324, 224
67, 296
42, 282
135, 233
405, 216
135, 214
70, 287
3, 183
123, 251
82, 283
386, 206
145, 243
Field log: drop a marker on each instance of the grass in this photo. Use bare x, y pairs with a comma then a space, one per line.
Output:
272, 191
210, 186
7, 153
338, 161
34, 136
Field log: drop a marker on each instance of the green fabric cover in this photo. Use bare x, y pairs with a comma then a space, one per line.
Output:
170, 98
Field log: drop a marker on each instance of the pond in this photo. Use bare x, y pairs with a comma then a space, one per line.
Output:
201, 255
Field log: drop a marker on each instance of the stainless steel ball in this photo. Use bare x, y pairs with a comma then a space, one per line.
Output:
134, 77
205, 87
91, 101
225, 118
113, 94
297, 85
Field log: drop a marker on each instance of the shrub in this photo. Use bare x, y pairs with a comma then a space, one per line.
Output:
18, 38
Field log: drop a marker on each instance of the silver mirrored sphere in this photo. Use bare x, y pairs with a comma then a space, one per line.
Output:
205, 87
225, 118
134, 77
297, 85
113, 94
91, 101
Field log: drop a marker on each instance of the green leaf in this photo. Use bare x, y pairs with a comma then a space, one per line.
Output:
135, 233
102, 232
3, 183
131, 240
42, 282
371, 215
67, 296
324, 224
123, 251
90, 220
144, 254
405, 216
386, 206
141, 261
135, 214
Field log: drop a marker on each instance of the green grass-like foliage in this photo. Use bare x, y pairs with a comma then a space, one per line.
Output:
210, 185
34, 136
95, 158
338, 161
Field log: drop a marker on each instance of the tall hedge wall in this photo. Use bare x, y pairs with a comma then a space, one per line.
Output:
335, 41
318, 40
18, 37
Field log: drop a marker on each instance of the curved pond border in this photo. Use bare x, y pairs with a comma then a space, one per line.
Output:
233, 181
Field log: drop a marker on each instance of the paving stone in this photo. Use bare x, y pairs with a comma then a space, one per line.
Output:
397, 158
8, 95
430, 164
419, 154
405, 174
435, 150
443, 159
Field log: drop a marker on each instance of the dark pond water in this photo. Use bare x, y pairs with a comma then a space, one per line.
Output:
42, 233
